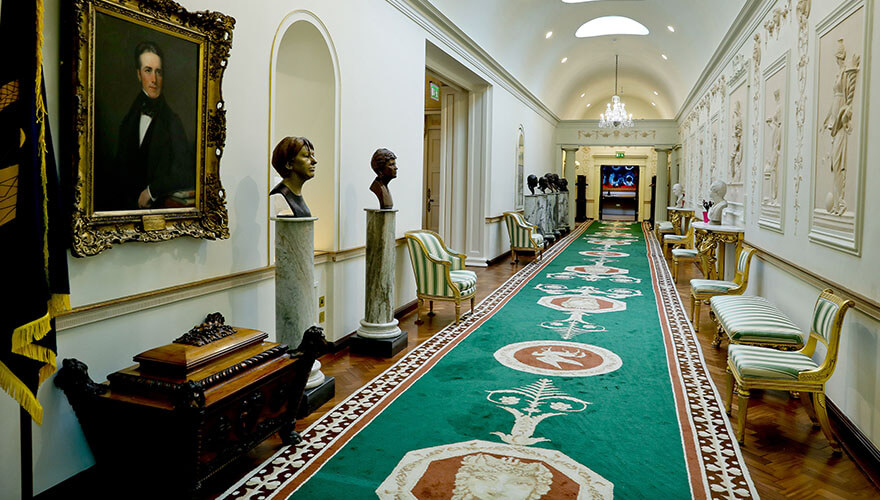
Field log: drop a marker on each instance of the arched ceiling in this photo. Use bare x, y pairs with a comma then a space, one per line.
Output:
513, 32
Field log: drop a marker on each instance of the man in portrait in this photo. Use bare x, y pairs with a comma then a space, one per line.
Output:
153, 167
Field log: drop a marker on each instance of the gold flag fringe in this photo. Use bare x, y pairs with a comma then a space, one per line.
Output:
20, 392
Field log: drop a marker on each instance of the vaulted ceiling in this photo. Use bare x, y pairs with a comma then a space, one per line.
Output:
514, 33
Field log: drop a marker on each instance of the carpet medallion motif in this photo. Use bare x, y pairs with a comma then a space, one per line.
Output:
628, 410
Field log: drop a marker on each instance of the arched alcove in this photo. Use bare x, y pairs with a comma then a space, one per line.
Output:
520, 170
305, 102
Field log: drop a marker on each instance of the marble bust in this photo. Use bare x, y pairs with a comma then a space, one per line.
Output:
294, 160
716, 195
533, 182
678, 193
384, 163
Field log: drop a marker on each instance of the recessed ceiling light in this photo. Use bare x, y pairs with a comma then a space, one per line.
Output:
670, 28
664, 57
653, 104
588, 105
611, 25
583, 94
549, 34
563, 60
655, 93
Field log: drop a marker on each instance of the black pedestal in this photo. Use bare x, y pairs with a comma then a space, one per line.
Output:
382, 348
315, 397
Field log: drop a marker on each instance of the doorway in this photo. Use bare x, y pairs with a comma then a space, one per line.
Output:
620, 193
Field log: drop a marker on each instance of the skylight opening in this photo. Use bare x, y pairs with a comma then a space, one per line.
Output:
611, 25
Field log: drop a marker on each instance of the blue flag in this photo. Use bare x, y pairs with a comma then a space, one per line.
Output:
33, 235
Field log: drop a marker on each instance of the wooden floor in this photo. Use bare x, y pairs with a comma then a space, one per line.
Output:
787, 458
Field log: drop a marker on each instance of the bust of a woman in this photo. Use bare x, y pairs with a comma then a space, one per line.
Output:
716, 195
294, 160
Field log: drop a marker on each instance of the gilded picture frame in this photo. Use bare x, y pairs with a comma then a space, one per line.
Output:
147, 122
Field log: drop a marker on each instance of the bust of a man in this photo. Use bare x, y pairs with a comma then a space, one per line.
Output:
554, 182
563, 185
678, 194
294, 160
542, 184
384, 163
716, 194
533, 182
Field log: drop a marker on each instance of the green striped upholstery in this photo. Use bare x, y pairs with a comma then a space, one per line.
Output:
754, 319
743, 260
430, 275
823, 317
673, 237
684, 252
765, 363
522, 234
466, 281
712, 286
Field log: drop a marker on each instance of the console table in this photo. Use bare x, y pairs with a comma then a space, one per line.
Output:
710, 240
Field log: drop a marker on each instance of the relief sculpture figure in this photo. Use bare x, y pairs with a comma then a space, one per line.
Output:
771, 165
838, 123
736, 153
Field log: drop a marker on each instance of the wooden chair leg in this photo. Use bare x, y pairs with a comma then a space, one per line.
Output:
822, 415
419, 311
674, 269
811, 412
472, 304
513, 256
731, 385
457, 311
430, 308
742, 411
695, 304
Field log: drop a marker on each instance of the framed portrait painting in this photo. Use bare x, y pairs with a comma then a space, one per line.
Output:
148, 122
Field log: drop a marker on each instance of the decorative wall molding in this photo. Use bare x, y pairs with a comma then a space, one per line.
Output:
756, 117
605, 134
429, 17
800, 113
740, 69
773, 25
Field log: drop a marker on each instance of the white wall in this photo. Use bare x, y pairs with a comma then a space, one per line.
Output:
854, 386
381, 56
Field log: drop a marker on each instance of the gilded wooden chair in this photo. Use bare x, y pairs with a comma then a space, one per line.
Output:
662, 228
678, 240
440, 272
751, 367
702, 290
523, 236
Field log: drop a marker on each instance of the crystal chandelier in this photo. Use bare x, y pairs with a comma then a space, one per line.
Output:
615, 115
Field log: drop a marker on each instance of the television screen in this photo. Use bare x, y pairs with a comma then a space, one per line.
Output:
620, 177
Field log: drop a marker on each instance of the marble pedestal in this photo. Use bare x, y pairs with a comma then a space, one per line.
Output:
562, 211
535, 211
295, 305
552, 214
379, 334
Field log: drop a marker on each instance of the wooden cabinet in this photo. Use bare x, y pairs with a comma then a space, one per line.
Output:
186, 410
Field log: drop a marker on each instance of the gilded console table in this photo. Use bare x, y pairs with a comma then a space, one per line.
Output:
677, 215
709, 240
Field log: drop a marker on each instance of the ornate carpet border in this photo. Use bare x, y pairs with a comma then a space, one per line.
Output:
291, 466
713, 450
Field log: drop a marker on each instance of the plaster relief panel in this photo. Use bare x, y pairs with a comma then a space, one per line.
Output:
773, 158
838, 170
736, 148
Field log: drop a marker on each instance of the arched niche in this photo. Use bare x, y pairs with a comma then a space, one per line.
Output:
519, 174
304, 100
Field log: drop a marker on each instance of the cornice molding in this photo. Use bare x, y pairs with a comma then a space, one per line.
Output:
748, 20
426, 15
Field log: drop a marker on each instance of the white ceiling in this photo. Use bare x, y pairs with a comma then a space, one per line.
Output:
513, 32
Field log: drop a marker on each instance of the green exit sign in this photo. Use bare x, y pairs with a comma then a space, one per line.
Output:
435, 91
621, 154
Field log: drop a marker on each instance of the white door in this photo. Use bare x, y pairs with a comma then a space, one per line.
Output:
431, 195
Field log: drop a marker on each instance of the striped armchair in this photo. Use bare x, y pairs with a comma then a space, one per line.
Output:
440, 272
752, 367
523, 236
706, 289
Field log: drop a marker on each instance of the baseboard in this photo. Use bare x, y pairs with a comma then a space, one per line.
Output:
498, 259
863, 452
342, 343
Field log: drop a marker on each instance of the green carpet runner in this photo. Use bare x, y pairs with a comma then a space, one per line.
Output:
580, 377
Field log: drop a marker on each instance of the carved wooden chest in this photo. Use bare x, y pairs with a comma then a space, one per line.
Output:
189, 408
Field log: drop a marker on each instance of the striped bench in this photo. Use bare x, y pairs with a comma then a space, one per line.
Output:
752, 320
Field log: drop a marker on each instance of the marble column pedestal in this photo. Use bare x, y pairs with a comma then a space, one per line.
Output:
295, 304
379, 334
535, 211
562, 211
